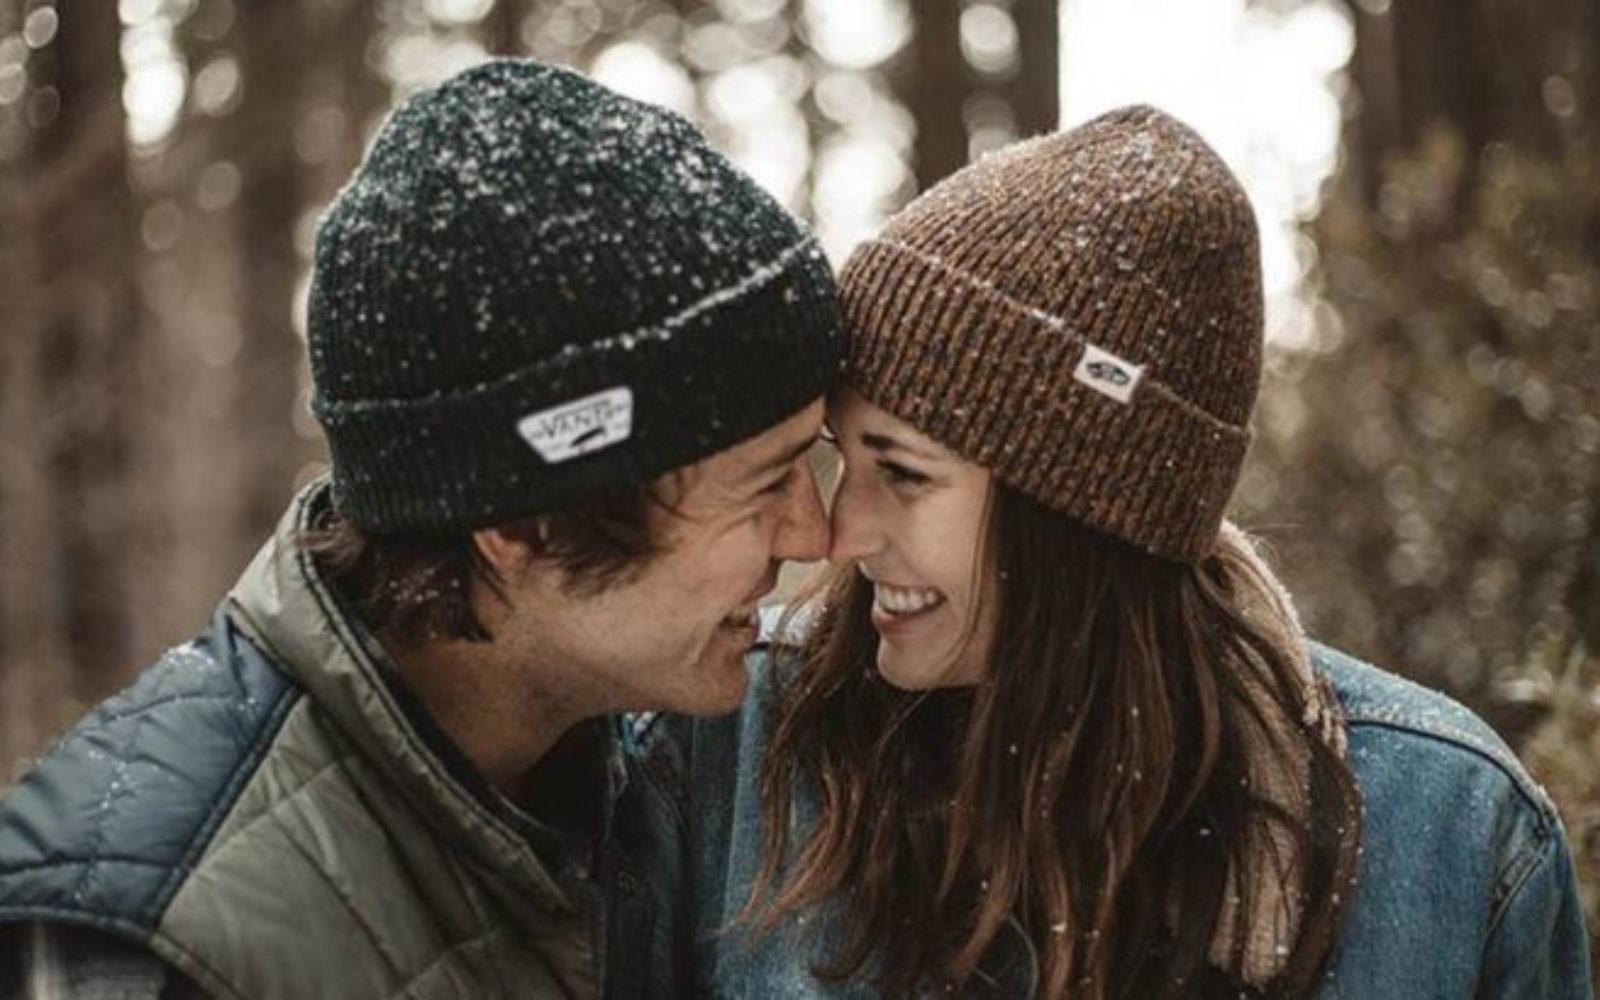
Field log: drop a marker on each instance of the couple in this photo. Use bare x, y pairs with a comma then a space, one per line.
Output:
471, 724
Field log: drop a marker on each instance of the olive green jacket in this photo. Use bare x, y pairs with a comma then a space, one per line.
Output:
269, 811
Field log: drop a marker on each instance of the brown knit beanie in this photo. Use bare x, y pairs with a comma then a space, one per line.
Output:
1082, 314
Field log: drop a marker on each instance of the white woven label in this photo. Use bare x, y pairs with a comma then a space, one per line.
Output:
582, 426
1108, 374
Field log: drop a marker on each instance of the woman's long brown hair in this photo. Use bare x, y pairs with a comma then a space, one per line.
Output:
1102, 785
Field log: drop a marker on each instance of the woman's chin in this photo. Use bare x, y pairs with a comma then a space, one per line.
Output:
911, 682
906, 671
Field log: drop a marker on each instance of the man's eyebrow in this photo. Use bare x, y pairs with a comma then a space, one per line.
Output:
782, 461
883, 442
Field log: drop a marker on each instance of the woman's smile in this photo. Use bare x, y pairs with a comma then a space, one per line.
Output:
895, 608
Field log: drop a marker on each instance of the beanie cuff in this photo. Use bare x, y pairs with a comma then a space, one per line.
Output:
1154, 470
458, 460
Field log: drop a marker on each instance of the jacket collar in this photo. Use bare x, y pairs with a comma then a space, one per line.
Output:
289, 610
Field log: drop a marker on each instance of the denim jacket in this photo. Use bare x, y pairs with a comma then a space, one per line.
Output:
1465, 887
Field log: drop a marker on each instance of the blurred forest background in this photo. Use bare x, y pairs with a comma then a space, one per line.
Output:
1428, 466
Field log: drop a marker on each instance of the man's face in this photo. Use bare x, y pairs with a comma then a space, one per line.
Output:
673, 635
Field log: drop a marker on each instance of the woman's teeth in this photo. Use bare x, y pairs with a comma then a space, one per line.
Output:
905, 600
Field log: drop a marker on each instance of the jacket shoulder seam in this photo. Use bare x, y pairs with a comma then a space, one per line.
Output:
148, 707
1443, 732
228, 797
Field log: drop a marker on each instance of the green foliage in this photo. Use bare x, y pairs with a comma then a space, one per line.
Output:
1432, 478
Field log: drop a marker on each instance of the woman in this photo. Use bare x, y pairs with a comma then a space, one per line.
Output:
1054, 730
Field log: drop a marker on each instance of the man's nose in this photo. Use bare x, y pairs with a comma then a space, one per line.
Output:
803, 533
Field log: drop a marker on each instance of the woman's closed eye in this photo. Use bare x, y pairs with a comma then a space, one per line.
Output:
901, 475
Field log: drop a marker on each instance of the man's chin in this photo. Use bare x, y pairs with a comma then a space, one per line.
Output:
723, 690
707, 706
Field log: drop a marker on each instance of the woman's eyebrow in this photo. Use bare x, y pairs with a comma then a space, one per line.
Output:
883, 442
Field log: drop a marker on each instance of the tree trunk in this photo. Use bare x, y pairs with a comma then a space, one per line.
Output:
1583, 591
234, 437
1035, 93
72, 332
268, 372
934, 84
1449, 449
502, 28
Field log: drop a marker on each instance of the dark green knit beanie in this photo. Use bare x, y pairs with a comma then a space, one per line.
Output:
534, 289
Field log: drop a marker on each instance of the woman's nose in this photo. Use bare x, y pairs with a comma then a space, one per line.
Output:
854, 523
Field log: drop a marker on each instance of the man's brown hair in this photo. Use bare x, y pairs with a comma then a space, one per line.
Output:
416, 588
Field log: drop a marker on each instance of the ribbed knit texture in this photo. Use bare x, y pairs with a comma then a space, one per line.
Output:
518, 238
970, 313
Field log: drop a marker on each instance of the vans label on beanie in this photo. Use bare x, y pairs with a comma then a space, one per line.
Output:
581, 426
1108, 374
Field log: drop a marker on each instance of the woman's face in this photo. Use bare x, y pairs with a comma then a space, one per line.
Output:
912, 518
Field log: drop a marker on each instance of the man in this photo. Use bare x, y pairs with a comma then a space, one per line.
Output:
568, 361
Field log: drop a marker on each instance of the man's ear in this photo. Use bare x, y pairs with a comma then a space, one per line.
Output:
512, 549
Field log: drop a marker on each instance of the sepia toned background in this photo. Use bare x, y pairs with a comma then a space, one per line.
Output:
1427, 173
